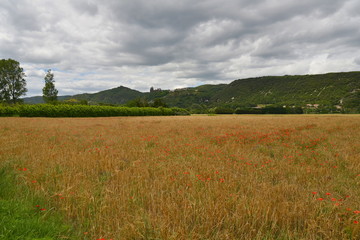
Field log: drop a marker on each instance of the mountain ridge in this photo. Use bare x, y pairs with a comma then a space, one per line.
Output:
329, 89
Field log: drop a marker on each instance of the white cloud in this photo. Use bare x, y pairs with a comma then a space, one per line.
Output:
94, 45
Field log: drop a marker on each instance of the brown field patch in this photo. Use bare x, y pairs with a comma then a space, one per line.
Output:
194, 177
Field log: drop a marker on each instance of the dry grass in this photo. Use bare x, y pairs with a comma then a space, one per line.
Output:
198, 177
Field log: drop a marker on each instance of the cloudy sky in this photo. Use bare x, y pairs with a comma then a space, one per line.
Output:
93, 45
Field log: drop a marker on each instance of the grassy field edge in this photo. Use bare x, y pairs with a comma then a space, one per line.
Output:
24, 214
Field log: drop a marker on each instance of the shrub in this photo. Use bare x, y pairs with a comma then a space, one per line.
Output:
179, 111
224, 110
269, 110
63, 110
8, 111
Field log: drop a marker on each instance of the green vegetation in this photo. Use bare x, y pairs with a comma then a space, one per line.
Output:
39, 99
323, 89
66, 110
8, 111
321, 93
119, 95
186, 97
223, 110
12, 82
143, 102
352, 101
24, 215
270, 110
49, 90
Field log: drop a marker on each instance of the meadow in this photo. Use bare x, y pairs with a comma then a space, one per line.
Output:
192, 177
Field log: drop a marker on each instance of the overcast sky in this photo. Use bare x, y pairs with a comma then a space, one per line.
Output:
93, 45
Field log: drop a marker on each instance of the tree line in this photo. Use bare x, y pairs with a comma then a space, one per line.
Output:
13, 83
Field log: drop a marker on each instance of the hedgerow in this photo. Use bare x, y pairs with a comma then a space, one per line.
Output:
7, 111
48, 110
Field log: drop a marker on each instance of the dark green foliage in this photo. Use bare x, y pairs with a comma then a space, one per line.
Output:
294, 110
199, 95
49, 90
351, 102
138, 102
323, 89
62, 110
158, 102
119, 95
179, 111
143, 102
249, 111
12, 81
198, 108
274, 110
270, 110
155, 93
223, 110
333, 92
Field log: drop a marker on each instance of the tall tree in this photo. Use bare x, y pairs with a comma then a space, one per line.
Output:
49, 90
12, 81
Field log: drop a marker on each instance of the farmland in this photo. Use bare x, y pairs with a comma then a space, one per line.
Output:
193, 177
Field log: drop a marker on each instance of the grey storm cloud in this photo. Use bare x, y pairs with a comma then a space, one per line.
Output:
94, 45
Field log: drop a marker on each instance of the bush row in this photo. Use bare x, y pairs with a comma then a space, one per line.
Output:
270, 110
7, 111
266, 110
47, 110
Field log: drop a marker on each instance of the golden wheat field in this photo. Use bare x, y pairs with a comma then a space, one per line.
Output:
194, 177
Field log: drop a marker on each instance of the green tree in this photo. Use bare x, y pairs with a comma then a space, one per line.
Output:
138, 102
351, 102
197, 108
158, 102
12, 81
49, 90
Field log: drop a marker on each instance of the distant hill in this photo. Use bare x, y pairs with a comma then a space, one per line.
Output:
331, 89
39, 99
187, 97
119, 95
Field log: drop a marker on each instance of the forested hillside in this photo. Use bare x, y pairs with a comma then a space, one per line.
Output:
331, 91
